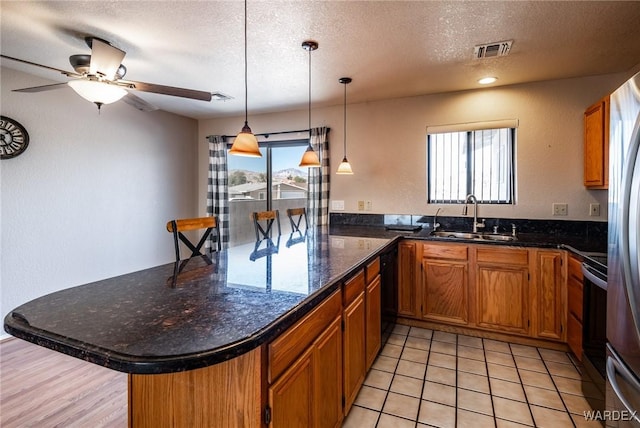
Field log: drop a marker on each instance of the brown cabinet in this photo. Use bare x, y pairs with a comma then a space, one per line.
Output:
596, 145
574, 317
373, 306
445, 284
408, 305
550, 313
354, 342
305, 370
502, 289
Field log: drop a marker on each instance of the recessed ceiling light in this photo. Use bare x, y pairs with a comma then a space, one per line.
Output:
487, 80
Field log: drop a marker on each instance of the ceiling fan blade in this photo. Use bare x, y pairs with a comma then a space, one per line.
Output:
66, 73
105, 59
138, 103
168, 90
42, 88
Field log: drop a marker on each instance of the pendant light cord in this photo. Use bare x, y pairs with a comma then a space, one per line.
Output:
310, 96
345, 120
246, 90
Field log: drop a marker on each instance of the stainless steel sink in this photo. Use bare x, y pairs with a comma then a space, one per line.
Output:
473, 236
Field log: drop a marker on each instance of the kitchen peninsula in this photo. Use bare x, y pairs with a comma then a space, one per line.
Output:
217, 339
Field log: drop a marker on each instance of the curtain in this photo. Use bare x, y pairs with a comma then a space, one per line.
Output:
318, 197
218, 188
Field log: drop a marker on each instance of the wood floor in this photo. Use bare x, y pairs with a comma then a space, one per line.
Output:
42, 388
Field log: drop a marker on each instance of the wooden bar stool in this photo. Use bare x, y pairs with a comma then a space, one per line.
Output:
295, 217
266, 219
186, 224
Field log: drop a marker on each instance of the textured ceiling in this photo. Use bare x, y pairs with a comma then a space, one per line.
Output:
390, 48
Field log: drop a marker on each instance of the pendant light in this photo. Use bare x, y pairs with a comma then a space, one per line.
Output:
310, 157
345, 166
245, 144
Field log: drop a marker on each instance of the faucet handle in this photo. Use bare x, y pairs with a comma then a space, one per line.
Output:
480, 225
495, 229
513, 229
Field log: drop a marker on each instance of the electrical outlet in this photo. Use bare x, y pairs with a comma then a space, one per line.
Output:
594, 210
360, 205
337, 205
368, 205
560, 209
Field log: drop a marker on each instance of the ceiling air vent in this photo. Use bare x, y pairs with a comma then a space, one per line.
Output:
491, 50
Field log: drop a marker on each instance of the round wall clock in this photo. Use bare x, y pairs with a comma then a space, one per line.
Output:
14, 139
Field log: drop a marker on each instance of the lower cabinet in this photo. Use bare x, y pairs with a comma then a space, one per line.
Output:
408, 305
354, 342
550, 313
575, 297
373, 305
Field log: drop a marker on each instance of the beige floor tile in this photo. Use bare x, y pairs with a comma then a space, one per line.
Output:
563, 370
401, 405
441, 375
371, 398
555, 356
415, 355
390, 421
549, 418
497, 371
417, 343
543, 397
442, 336
401, 329
472, 366
407, 386
499, 358
475, 402
409, 368
472, 353
360, 418
421, 332
541, 380
467, 419
439, 393
442, 360
474, 342
437, 415
506, 389
577, 404
385, 363
391, 350
524, 351
501, 423
473, 382
577, 387
396, 339
496, 346
533, 364
378, 379
443, 348
514, 411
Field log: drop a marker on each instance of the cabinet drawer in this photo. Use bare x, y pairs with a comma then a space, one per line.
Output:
286, 348
575, 268
445, 251
353, 287
510, 256
574, 292
373, 269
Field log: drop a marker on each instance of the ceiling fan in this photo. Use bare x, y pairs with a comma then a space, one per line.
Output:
98, 78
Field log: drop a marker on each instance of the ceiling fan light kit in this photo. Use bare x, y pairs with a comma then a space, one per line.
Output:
245, 144
97, 92
345, 167
310, 157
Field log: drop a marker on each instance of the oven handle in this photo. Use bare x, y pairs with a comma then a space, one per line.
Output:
613, 367
587, 271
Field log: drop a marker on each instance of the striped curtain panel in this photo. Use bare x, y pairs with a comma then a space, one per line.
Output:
318, 197
218, 188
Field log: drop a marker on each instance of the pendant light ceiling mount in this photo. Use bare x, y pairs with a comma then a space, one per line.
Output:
310, 157
309, 45
345, 167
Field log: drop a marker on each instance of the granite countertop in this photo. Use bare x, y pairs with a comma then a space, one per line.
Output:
192, 314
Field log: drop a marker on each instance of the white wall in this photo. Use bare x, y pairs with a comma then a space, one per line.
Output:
387, 145
90, 197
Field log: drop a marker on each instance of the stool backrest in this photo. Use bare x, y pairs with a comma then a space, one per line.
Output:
176, 227
295, 217
263, 222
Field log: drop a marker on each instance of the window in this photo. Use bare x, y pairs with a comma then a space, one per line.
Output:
478, 161
272, 182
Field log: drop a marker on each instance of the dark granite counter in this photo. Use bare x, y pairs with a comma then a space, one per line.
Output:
196, 313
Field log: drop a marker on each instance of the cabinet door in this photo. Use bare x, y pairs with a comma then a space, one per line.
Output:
327, 393
575, 298
354, 349
551, 291
596, 145
374, 320
502, 293
291, 396
445, 291
407, 287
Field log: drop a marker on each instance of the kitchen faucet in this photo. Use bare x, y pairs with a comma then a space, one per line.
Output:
436, 225
472, 198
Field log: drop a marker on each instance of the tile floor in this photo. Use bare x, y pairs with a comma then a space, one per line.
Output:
425, 378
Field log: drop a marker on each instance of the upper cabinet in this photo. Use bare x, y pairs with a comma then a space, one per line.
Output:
596, 145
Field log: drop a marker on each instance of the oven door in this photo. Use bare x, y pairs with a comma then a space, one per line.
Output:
594, 333
623, 393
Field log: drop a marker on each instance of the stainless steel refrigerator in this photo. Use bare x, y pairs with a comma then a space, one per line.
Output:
623, 290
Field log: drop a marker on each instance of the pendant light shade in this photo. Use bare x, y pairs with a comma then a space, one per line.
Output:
310, 157
245, 144
345, 167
